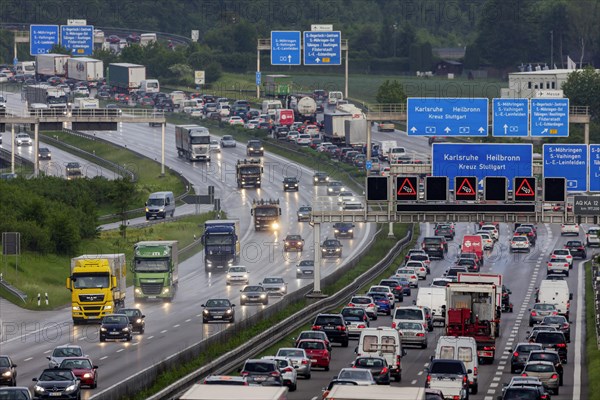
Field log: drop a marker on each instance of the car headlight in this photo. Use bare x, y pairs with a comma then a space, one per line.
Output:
338, 250
138, 321
38, 389
102, 329
87, 375
206, 311
71, 388
76, 308
275, 225
336, 231
108, 307
262, 296
350, 230
228, 312
147, 209
7, 374
283, 288
228, 276
165, 290
125, 329
136, 290
298, 270
316, 179
244, 296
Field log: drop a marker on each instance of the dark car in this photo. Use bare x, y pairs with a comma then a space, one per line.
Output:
57, 383
377, 365
435, 246
520, 355
577, 249
397, 289
262, 372
343, 230
527, 231
334, 325
291, 183
116, 326
254, 294
15, 393
255, 148
523, 393
551, 356
136, 318
320, 178
8, 371
331, 248
280, 132
404, 284
305, 269
334, 188
445, 230
471, 264
555, 341
293, 242
506, 304
218, 310
44, 153
560, 322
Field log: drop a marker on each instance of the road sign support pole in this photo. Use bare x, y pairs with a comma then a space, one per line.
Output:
36, 164
162, 149
391, 206
317, 247
346, 76
12, 153
257, 70
369, 140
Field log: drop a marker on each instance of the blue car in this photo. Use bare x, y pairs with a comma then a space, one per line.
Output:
383, 303
406, 290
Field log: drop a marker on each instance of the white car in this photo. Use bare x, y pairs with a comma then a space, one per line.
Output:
520, 243
274, 285
366, 303
287, 370
23, 139
487, 240
419, 267
214, 146
300, 360
196, 112
252, 124
558, 265
383, 289
345, 196
235, 120
353, 205
409, 274
441, 282
323, 146
312, 130
237, 274
493, 231
569, 229
592, 237
303, 140
292, 136
63, 351
81, 91
565, 253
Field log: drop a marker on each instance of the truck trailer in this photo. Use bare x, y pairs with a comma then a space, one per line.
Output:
235, 392
98, 286
126, 77
192, 142
53, 97
221, 240
51, 64
85, 69
155, 270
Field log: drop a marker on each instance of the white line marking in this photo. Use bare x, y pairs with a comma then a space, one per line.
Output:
164, 331
120, 350
28, 359
420, 373
496, 379
176, 326
103, 358
188, 320
149, 337
414, 382
494, 384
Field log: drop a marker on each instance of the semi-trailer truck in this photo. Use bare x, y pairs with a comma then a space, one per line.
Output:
221, 240
126, 77
51, 64
155, 270
192, 142
98, 286
85, 69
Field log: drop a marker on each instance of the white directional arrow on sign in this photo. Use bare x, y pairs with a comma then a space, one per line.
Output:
318, 59
505, 129
413, 129
481, 130
289, 58
545, 130
447, 130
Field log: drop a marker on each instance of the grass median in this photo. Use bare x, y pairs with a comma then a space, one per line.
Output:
382, 245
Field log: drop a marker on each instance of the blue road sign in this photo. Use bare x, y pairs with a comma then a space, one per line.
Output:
285, 47
481, 160
550, 117
15, 62
322, 48
510, 117
368, 165
569, 161
258, 78
594, 172
79, 39
42, 38
447, 116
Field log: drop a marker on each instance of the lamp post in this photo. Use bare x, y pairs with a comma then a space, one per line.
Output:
552, 49
395, 26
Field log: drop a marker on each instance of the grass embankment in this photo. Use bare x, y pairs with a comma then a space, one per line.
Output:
382, 245
147, 171
37, 273
592, 354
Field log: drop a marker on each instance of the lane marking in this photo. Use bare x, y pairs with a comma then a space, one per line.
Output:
579, 326
103, 358
120, 350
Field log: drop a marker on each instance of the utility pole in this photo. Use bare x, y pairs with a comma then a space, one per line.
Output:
551, 49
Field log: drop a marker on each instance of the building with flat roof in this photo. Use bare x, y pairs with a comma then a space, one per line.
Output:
530, 84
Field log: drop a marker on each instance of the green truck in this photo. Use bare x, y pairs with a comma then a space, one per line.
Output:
155, 270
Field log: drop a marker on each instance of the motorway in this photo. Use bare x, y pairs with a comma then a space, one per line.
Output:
172, 327
60, 158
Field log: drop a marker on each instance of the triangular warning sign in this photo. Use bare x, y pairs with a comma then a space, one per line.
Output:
465, 188
525, 189
406, 189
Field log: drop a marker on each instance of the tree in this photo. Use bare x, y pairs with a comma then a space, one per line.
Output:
58, 49
390, 93
583, 89
213, 72
182, 72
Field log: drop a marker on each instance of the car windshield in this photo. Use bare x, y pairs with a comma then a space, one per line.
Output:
521, 394
410, 314
218, 303
273, 280
307, 263
360, 300
116, 319
544, 307
328, 320
253, 289
4, 362
130, 312
266, 212
14, 394
432, 241
237, 269
330, 243
259, 367
292, 353
370, 362
67, 352
550, 337
50, 375
447, 368
305, 209
150, 265
293, 237
558, 319
90, 280
290, 180
539, 368
353, 312
76, 364
544, 357
409, 326
355, 374
311, 345
526, 348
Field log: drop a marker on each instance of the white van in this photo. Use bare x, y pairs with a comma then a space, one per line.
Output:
433, 298
409, 314
385, 342
150, 86
557, 293
160, 204
460, 348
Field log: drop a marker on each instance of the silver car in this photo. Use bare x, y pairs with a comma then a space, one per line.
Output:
274, 285
299, 359
237, 274
362, 377
23, 139
287, 370
413, 333
305, 269
228, 141
545, 372
539, 311
64, 351
409, 274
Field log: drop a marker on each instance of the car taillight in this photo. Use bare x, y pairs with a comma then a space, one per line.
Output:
474, 371
305, 361
533, 314
413, 277
350, 304
457, 397
523, 374
549, 264
288, 369
398, 360
398, 288
371, 305
245, 373
489, 348
316, 328
393, 324
361, 326
465, 379
561, 345
384, 370
565, 325
554, 312
421, 334
516, 354
544, 397
554, 376
428, 381
341, 328
275, 373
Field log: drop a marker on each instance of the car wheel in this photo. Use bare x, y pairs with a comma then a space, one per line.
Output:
129, 338
424, 345
102, 339
530, 323
293, 387
307, 376
204, 320
266, 302
474, 389
142, 331
327, 368
345, 343
95, 384
242, 303
556, 391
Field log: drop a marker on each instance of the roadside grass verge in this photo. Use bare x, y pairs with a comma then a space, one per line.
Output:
592, 354
381, 246
36, 273
147, 171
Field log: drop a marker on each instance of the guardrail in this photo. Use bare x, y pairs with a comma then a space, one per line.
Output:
142, 113
596, 286
235, 357
5, 155
13, 290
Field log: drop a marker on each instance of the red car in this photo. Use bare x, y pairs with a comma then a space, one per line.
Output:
84, 370
317, 351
